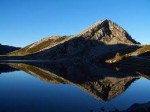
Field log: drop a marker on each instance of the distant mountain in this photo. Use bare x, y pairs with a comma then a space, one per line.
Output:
104, 41
6, 49
103, 34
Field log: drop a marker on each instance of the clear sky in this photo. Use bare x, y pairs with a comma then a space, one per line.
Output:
23, 22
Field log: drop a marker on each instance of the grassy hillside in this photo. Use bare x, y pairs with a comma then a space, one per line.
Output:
138, 51
39, 46
142, 50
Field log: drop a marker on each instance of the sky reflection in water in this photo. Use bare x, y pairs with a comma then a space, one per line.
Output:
21, 92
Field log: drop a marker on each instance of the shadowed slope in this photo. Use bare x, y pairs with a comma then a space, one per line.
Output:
6, 49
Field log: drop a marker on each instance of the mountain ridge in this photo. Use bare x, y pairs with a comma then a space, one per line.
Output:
104, 42
103, 32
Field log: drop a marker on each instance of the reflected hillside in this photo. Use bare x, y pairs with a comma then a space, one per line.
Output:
5, 68
103, 84
42, 74
107, 88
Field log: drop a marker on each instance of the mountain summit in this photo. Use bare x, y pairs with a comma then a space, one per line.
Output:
108, 32
101, 38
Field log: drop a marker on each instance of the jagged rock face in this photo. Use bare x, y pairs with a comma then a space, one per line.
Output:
107, 32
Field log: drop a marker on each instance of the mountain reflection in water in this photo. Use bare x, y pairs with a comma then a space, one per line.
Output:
98, 81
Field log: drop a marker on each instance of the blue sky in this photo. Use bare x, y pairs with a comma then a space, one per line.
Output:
23, 22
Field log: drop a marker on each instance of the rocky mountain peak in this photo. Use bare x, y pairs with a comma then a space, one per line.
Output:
108, 32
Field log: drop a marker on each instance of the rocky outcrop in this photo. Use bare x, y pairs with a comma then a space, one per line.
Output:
137, 107
108, 32
143, 107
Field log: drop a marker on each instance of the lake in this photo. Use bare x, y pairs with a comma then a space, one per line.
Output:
31, 88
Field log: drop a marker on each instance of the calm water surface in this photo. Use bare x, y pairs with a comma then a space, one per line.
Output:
22, 92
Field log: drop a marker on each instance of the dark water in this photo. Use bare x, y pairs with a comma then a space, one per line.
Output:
24, 92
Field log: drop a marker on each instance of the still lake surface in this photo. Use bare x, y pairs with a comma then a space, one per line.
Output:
23, 92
